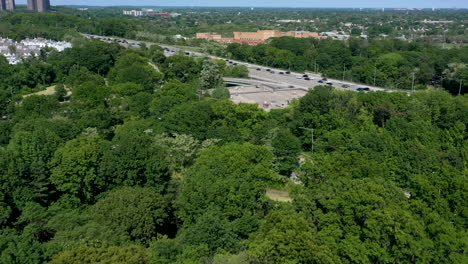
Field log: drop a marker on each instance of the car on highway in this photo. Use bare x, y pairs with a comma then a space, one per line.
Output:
268, 70
305, 75
363, 89
258, 69
272, 72
324, 79
320, 81
345, 86
307, 78
288, 72
291, 86
329, 83
281, 72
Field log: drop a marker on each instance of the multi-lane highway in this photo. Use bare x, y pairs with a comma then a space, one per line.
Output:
268, 87
257, 72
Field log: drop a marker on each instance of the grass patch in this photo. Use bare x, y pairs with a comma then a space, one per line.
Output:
278, 195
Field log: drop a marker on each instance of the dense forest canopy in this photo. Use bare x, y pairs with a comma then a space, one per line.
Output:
139, 158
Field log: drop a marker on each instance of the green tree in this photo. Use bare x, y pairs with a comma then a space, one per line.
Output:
210, 75
60, 92
103, 254
171, 94
140, 212
183, 68
221, 93
287, 237
19, 248
131, 159
181, 150
135, 69
239, 71
96, 56
75, 168
231, 178
286, 148
37, 106
156, 54
210, 229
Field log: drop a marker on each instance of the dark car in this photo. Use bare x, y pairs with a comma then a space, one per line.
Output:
291, 86
329, 83
307, 78
187, 53
305, 75
258, 69
320, 81
288, 72
281, 72
272, 72
268, 70
345, 86
235, 63
362, 89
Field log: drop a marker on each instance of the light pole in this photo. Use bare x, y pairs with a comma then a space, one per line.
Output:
344, 71
375, 72
459, 90
312, 137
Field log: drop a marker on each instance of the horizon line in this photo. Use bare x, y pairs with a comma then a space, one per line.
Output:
285, 7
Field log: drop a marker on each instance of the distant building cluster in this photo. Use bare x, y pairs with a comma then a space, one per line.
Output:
15, 51
425, 21
39, 5
148, 12
259, 37
7, 5
289, 21
34, 5
335, 35
133, 13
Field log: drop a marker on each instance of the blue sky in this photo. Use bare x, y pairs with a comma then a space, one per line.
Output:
270, 3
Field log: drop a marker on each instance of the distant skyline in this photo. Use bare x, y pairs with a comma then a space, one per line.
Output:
272, 3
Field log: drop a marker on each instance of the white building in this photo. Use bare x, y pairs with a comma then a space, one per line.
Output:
135, 13
15, 51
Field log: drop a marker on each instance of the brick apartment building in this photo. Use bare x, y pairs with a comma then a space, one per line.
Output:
255, 38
